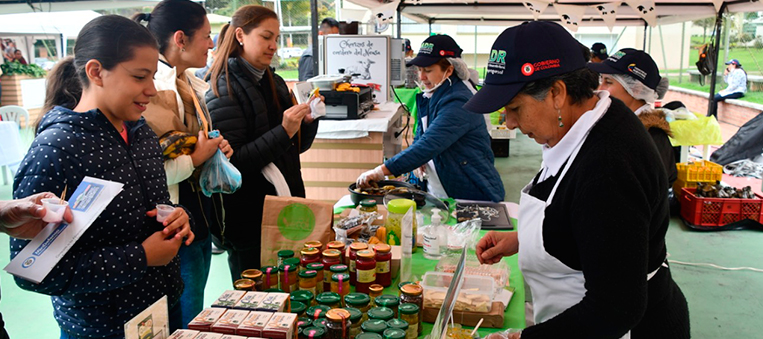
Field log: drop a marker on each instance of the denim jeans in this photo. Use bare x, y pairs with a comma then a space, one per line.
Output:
174, 315
195, 261
719, 97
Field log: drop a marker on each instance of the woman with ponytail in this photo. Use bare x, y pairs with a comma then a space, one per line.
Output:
126, 260
182, 29
252, 108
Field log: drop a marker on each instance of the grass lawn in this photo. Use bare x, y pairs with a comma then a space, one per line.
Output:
745, 56
288, 74
755, 97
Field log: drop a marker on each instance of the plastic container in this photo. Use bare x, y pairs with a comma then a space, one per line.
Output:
700, 211
55, 209
431, 235
499, 272
476, 295
397, 208
162, 211
325, 82
699, 171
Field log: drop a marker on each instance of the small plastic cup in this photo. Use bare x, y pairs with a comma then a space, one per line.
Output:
54, 209
163, 211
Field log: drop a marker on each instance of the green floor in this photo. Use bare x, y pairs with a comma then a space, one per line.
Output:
723, 304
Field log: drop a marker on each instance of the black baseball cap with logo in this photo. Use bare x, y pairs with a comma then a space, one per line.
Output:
435, 48
599, 50
635, 63
528, 52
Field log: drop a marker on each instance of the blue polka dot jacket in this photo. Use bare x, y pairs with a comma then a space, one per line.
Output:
103, 281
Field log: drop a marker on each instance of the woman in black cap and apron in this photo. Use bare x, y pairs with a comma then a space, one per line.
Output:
592, 222
452, 144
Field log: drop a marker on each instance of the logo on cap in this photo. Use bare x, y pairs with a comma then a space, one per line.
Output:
497, 62
636, 71
426, 48
527, 69
616, 56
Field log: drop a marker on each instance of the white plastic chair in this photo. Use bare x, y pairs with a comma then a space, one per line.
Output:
11, 152
14, 113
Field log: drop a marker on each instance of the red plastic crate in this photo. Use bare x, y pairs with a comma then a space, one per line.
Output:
718, 211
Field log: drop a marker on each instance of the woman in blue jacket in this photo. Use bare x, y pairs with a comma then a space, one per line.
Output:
452, 145
126, 260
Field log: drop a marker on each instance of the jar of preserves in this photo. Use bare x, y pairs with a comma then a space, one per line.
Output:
379, 312
374, 326
244, 284
360, 301
317, 311
369, 335
312, 332
283, 255
321, 322
305, 297
339, 268
303, 323
355, 319
339, 246
288, 277
330, 299
274, 290
309, 256
255, 275
317, 267
398, 324
368, 206
400, 286
412, 314
354, 248
330, 257
291, 261
397, 208
298, 308
374, 291
307, 280
340, 284
383, 264
338, 325
393, 333
317, 244
269, 277
413, 294
388, 300
365, 270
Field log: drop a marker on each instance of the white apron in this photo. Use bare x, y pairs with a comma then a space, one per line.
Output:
434, 186
555, 287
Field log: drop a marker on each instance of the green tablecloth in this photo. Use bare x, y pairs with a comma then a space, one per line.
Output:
408, 97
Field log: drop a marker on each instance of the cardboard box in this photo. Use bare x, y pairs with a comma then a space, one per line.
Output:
281, 326
493, 319
254, 323
229, 322
204, 320
250, 301
229, 298
209, 335
184, 334
230, 336
275, 302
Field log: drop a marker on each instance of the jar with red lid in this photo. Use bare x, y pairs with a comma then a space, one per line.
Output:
309, 256
365, 269
354, 248
339, 246
383, 264
330, 257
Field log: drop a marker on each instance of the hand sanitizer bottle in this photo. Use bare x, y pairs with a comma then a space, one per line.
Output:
431, 236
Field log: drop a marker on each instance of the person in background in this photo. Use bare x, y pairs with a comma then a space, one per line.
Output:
9, 50
632, 76
736, 77
411, 72
452, 145
593, 255
182, 29
598, 52
305, 63
126, 260
253, 109
17, 56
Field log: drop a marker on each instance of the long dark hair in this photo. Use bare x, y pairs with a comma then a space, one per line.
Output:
170, 16
110, 39
248, 18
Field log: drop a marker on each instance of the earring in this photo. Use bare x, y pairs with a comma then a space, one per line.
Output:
240, 43
560, 117
182, 49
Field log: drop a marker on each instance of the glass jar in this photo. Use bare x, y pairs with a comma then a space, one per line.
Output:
317, 244
339, 268
354, 248
307, 281
340, 284
355, 319
396, 210
330, 257
393, 333
369, 335
317, 311
374, 326
383, 264
255, 275
380, 312
309, 256
398, 324
400, 286
283, 255
339, 246
305, 297
412, 314
374, 291
298, 307
413, 294
365, 270
330, 299
269, 277
368, 206
288, 277
338, 326
312, 332
321, 322
303, 323
360, 301
318, 267
244, 284
291, 261
388, 300
274, 290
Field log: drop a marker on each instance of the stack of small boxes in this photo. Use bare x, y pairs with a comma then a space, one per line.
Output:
242, 315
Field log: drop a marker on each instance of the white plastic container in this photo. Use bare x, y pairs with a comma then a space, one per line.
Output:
325, 82
476, 295
431, 236
54, 209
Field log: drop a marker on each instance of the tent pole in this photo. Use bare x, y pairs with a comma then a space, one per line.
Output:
726, 40
314, 35
430, 25
399, 22
662, 44
618, 39
475, 46
649, 46
681, 62
716, 49
645, 26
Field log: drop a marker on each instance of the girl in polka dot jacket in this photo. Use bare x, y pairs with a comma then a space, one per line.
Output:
126, 260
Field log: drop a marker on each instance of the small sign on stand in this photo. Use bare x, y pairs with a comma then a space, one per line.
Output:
152, 323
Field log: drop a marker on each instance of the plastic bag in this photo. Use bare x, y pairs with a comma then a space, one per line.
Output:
218, 175
505, 334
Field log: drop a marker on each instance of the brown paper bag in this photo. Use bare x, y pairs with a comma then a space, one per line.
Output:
289, 222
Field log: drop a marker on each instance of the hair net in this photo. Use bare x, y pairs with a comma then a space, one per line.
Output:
469, 76
640, 91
